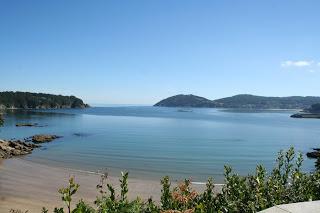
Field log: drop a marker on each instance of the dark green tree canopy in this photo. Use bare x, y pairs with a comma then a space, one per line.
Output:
243, 101
315, 108
27, 100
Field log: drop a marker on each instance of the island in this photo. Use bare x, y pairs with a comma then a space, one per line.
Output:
242, 101
185, 101
28, 100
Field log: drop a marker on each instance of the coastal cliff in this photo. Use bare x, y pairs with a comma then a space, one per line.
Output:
28, 100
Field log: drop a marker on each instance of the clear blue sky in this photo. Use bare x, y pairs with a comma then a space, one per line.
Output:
140, 51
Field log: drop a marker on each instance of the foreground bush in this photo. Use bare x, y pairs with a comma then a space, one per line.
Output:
285, 184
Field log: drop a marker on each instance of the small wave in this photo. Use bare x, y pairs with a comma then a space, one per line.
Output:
86, 171
204, 183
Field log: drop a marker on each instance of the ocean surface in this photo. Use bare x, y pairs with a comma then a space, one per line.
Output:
151, 142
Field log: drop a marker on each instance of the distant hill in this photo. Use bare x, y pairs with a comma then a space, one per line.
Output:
241, 101
261, 102
27, 100
185, 101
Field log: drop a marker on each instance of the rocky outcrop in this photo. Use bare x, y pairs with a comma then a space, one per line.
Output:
80, 134
44, 138
26, 124
306, 115
314, 154
9, 149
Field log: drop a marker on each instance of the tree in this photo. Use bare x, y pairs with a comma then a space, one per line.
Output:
315, 108
1, 120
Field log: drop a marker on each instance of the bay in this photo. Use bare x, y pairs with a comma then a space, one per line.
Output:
151, 142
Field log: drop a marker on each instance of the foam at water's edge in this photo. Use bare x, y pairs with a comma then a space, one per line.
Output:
204, 183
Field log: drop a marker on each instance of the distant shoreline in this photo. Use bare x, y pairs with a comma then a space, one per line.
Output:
241, 101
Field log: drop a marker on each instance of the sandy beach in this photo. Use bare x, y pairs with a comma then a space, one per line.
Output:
29, 186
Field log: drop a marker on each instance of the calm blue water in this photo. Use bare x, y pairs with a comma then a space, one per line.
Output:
151, 142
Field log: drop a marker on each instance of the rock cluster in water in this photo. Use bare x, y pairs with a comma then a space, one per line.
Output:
314, 154
29, 125
306, 115
44, 138
26, 124
11, 148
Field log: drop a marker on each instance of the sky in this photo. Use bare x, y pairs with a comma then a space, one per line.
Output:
141, 51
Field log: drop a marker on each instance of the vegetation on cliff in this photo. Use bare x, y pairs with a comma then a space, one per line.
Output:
261, 102
1, 119
27, 100
312, 112
241, 101
285, 184
315, 108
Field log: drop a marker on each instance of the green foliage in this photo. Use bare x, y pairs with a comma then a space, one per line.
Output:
285, 184
68, 192
109, 202
56, 210
82, 207
208, 200
124, 186
1, 120
315, 108
262, 102
27, 100
166, 196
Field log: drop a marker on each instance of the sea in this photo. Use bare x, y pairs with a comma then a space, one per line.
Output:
151, 142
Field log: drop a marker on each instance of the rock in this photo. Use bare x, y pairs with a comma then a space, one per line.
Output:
297, 115
44, 138
26, 124
313, 154
9, 149
306, 115
79, 134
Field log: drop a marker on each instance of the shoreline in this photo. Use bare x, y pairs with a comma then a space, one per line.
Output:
30, 186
